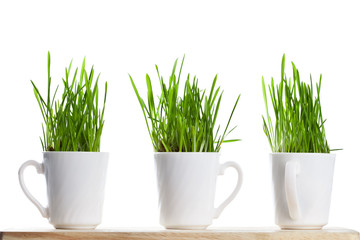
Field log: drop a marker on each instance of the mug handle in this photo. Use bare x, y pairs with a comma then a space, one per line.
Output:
222, 168
40, 170
292, 169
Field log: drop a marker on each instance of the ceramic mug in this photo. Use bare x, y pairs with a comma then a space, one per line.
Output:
302, 189
75, 187
186, 184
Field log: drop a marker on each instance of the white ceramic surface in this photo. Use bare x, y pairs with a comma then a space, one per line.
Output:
186, 184
75, 187
302, 189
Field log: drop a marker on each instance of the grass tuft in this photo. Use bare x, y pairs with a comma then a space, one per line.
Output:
299, 124
187, 123
75, 122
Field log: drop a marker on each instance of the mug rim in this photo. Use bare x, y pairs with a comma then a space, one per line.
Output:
73, 152
301, 153
186, 153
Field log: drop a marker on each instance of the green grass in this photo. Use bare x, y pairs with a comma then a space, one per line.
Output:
187, 123
299, 124
75, 122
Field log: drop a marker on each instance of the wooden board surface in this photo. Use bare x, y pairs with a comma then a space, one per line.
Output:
214, 234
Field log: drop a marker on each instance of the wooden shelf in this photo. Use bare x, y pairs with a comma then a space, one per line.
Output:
155, 234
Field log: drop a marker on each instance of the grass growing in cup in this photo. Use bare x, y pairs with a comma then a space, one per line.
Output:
302, 166
74, 168
187, 123
75, 122
186, 141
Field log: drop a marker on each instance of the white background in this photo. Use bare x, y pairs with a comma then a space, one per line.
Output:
240, 40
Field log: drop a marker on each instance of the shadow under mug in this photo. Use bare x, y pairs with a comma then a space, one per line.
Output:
75, 187
302, 189
186, 186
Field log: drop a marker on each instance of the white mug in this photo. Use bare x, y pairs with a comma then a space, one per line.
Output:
302, 189
186, 184
75, 187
